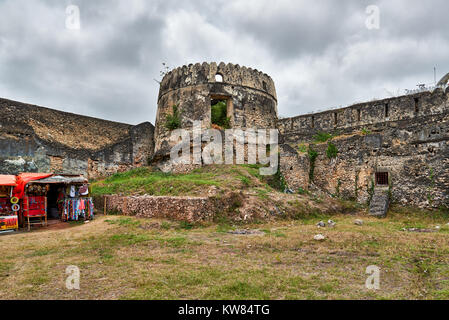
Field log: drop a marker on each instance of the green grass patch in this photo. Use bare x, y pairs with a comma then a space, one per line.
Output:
124, 222
41, 252
128, 239
148, 181
279, 234
173, 242
5, 268
186, 225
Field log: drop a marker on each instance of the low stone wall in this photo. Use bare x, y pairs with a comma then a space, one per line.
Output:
174, 208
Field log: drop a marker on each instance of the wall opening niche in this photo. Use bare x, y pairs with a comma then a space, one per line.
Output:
221, 110
218, 77
382, 178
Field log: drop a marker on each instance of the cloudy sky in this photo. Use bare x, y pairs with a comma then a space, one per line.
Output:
319, 53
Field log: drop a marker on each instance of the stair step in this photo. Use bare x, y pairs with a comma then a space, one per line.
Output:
379, 203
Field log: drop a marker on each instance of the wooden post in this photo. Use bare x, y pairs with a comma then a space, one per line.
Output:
45, 211
28, 213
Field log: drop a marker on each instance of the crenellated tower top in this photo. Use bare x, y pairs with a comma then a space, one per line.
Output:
209, 73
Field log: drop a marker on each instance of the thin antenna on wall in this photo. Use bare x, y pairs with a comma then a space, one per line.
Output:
435, 75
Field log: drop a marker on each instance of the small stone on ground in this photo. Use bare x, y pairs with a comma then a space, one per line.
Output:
321, 224
420, 230
331, 224
245, 232
319, 237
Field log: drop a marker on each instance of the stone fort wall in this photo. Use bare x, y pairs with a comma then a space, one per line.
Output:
406, 136
37, 139
250, 95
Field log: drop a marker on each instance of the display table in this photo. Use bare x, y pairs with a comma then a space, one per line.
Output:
34, 208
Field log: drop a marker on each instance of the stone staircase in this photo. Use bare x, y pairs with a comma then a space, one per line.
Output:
380, 202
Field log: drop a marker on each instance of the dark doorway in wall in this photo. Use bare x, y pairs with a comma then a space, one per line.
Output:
382, 178
219, 113
53, 196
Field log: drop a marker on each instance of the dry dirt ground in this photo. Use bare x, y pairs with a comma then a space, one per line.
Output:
127, 258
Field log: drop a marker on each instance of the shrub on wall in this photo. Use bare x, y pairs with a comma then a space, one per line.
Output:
370, 191
337, 188
331, 151
312, 157
321, 137
365, 131
173, 121
219, 114
302, 148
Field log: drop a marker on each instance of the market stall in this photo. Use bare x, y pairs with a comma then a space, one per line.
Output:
9, 205
36, 198
66, 197
32, 206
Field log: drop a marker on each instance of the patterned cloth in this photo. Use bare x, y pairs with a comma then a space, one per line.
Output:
34, 206
78, 208
5, 206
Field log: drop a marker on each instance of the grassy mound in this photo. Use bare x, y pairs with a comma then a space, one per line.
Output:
243, 193
148, 181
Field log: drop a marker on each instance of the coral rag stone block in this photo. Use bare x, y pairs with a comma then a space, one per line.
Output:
174, 208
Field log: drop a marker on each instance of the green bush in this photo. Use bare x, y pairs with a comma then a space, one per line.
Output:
331, 151
219, 114
365, 131
302, 148
312, 157
276, 181
173, 121
322, 137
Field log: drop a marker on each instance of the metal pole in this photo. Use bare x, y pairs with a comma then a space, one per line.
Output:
435, 75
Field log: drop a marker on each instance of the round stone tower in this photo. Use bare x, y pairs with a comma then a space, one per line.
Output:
250, 97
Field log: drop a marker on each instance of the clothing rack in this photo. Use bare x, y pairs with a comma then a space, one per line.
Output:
77, 208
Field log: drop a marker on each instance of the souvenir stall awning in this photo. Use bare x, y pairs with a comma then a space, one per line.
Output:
63, 180
63, 196
7, 180
24, 178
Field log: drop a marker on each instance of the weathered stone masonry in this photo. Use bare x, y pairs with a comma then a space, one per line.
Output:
37, 139
176, 208
407, 136
250, 95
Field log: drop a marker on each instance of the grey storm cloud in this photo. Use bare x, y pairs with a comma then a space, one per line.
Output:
319, 53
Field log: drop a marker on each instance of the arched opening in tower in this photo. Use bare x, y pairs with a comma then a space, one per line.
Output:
221, 112
218, 77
